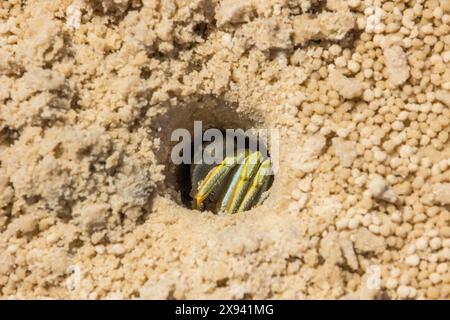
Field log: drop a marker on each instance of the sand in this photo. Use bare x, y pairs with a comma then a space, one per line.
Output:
90, 91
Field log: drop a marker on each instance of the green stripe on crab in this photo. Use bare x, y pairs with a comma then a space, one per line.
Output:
235, 190
215, 177
260, 184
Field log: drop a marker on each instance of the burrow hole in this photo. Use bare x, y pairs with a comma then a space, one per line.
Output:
213, 113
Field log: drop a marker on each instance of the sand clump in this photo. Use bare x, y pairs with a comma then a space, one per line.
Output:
359, 90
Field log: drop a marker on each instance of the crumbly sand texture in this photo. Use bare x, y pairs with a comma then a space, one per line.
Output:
358, 89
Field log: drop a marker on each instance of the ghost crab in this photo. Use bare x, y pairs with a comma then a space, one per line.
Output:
238, 183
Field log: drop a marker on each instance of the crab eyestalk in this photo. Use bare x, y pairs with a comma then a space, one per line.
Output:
235, 185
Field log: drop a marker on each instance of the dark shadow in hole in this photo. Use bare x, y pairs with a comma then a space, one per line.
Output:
183, 183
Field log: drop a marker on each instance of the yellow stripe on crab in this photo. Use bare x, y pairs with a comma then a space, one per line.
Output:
259, 185
214, 178
239, 184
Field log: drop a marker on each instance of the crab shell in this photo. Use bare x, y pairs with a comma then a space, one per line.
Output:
234, 184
